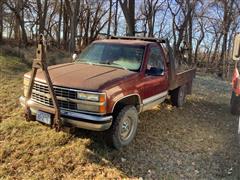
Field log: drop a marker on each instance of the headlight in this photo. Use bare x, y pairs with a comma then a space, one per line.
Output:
91, 97
94, 102
91, 108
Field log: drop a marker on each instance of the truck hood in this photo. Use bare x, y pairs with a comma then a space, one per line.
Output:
82, 76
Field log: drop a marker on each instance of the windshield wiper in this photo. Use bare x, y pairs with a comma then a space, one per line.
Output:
108, 63
113, 63
85, 62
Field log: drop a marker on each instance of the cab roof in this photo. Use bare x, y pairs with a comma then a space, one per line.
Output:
125, 42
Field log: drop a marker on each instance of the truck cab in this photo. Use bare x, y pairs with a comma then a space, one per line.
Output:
108, 85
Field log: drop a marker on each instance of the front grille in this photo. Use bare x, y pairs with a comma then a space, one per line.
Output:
40, 89
58, 91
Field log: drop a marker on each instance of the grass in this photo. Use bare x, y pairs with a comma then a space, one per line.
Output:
196, 141
11, 72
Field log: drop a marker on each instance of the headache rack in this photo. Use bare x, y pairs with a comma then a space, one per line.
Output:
150, 39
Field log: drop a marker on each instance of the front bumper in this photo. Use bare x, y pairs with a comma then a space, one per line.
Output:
75, 119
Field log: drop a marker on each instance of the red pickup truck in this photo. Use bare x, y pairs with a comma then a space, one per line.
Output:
109, 84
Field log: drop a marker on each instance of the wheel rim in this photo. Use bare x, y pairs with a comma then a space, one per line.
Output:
126, 128
182, 96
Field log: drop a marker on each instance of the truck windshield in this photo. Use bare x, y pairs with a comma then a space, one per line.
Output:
115, 55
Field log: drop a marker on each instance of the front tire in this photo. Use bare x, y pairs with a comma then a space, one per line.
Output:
124, 127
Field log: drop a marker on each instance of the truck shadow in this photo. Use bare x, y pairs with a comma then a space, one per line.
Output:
198, 140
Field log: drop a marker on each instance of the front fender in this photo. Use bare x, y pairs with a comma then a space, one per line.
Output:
114, 98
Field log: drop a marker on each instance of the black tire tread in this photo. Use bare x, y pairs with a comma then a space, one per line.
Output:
112, 136
175, 96
235, 104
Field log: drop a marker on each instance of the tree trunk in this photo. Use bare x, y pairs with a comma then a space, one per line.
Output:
19, 22
226, 25
16, 22
65, 26
87, 24
73, 25
218, 40
42, 14
145, 28
81, 25
150, 18
24, 34
190, 8
11, 28
153, 22
109, 19
128, 8
199, 41
131, 24
59, 25
116, 19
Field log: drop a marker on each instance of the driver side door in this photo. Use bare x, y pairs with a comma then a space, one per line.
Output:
156, 76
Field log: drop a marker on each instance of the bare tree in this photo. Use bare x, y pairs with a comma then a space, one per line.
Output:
73, 9
149, 10
59, 24
97, 17
128, 8
42, 14
109, 18
65, 25
17, 8
227, 20
199, 40
182, 14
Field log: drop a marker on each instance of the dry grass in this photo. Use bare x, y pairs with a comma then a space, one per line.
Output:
196, 141
11, 71
26, 55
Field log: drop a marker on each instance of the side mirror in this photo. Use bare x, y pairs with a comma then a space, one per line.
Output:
153, 71
236, 48
74, 57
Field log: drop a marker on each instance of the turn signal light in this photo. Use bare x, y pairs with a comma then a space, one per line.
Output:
102, 109
102, 98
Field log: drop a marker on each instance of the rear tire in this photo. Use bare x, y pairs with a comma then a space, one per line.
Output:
178, 96
124, 127
235, 104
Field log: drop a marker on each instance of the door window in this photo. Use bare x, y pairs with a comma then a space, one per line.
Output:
155, 59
